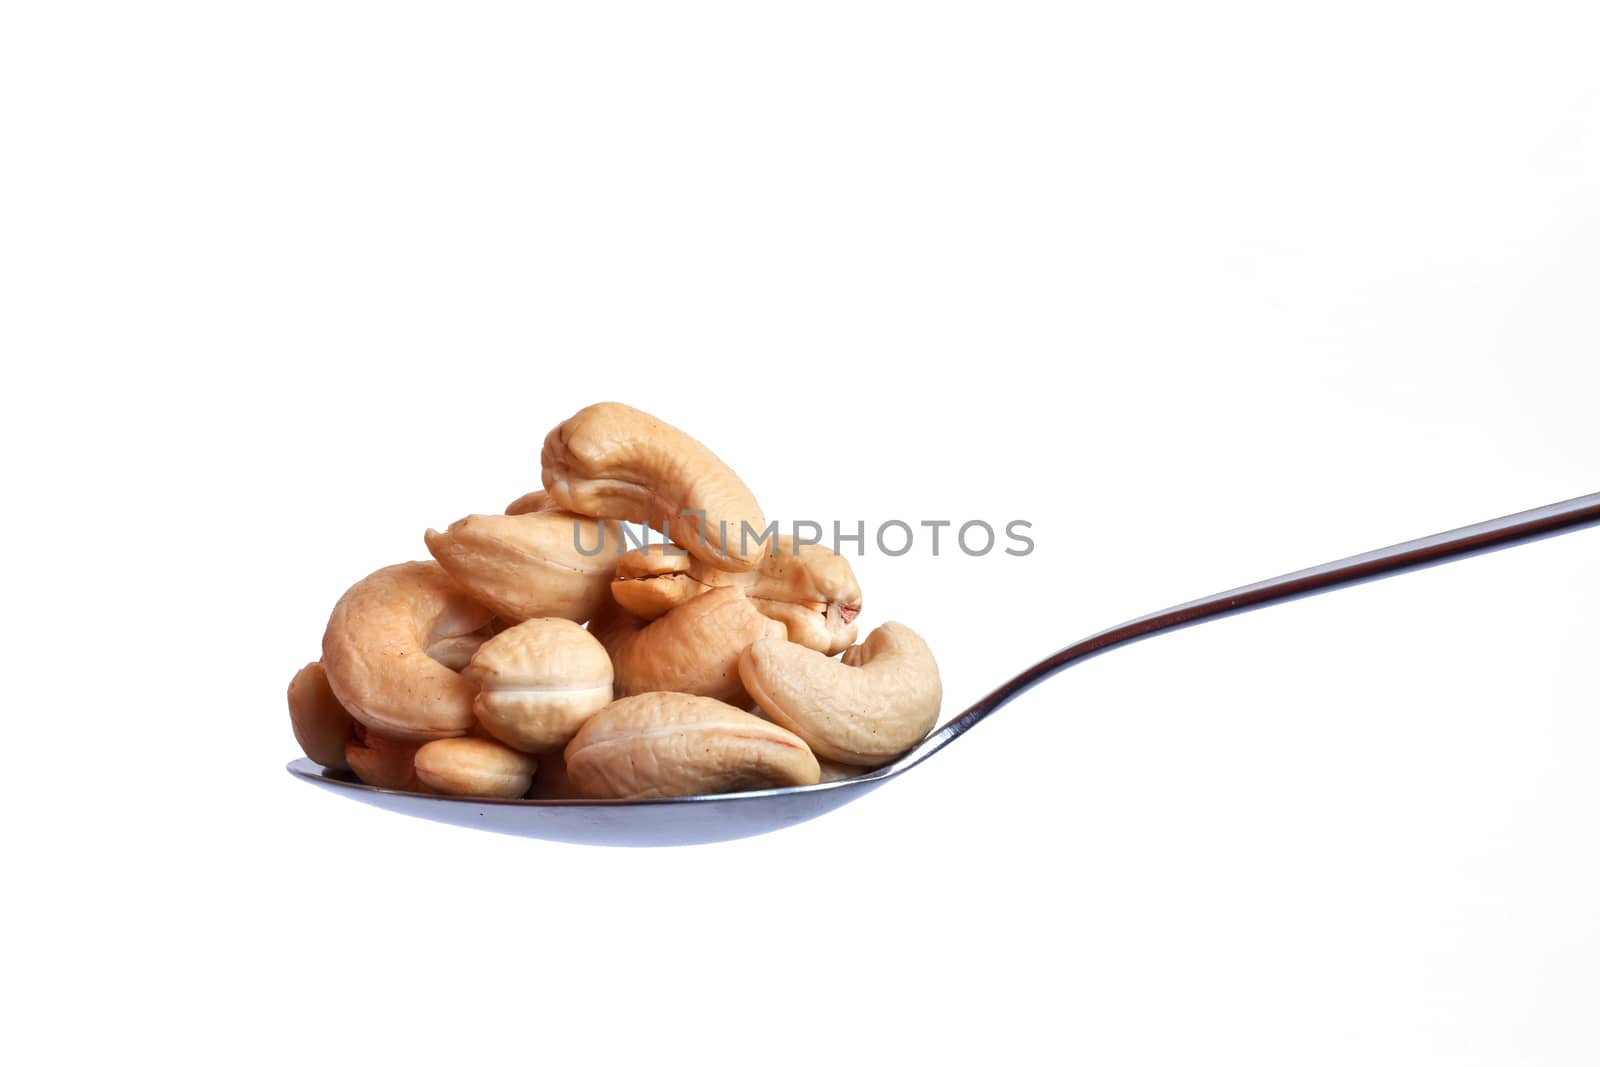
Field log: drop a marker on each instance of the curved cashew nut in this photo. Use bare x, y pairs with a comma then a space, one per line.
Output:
530, 565
809, 588
539, 681
321, 725
879, 699
474, 767
375, 652
616, 462
691, 649
674, 744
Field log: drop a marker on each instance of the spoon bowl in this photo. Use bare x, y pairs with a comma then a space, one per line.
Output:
725, 816
665, 821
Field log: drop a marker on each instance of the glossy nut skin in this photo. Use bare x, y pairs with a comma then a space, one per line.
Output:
383, 762
375, 652
534, 564
809, 588
538, 682
872, 704
694, 648
616, 462
321, 725
474, 767
675, 744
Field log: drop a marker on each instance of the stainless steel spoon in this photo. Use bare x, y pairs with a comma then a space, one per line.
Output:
694, 820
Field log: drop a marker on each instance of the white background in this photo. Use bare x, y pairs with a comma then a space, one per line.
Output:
1205, 293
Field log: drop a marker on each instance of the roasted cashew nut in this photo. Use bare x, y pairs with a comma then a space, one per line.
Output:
530, 565
694, 648
539, 681
321, 725
376, 658
674, 744
616, 462
872, 704
474, 767
809, 588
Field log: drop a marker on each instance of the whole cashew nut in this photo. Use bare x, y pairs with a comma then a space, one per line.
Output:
616, 462
864, 709
321, 725
539, 681
675, 744
530, 565
808, 587
474, 767
375, 652
694, 648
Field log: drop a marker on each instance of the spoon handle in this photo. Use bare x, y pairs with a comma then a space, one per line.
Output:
1437, 548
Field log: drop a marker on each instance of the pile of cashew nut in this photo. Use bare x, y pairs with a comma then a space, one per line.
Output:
533, 657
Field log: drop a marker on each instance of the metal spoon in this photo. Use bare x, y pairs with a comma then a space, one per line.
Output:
694, 820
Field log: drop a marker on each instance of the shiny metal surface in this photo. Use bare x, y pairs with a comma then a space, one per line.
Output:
696, 820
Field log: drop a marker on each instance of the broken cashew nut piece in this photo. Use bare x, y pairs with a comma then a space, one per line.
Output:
538, 682
864, 709
616, 462
375, 652
530, 565
474, 767
694, 648
321, 725
809, 588
675, 744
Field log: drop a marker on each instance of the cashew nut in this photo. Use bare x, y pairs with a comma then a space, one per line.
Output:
375, 652
382, 761
474, 767
456, 651
530, 565
694, 648
879, 699
616, 462
675, 744
809, 588
538, 500
321, 725
539, 681
552, 782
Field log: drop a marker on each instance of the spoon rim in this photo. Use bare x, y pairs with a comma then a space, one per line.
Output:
312, 771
